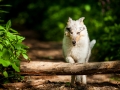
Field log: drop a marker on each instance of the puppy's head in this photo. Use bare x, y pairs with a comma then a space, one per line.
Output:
74, 29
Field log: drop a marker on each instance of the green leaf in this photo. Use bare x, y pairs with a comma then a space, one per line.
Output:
5, 74
14, 31
17, 62
2, 28
6, 53
1, 46
5, 63
20, 38
18, 46
22, 77
11, 36
68, 83
24, 47
7, 42
25, 56
15, 67
8, 25
18, 53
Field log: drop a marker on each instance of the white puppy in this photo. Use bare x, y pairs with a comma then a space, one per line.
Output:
77, 46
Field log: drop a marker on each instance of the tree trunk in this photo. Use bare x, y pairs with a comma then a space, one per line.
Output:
47, 68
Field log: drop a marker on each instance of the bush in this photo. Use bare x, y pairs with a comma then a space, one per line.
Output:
11, 48
107, 35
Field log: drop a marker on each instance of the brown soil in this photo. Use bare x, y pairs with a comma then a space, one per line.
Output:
52, 52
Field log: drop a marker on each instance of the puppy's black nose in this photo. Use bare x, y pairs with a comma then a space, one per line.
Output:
74, 42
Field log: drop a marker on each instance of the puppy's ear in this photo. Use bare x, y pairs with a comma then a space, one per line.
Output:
69, 20
81, 20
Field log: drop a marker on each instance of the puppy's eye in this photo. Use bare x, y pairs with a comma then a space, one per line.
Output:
82, 28
78, 32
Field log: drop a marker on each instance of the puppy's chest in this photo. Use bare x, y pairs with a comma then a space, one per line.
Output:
78, 53
77, 50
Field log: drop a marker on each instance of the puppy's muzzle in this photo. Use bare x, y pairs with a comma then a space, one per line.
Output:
74, 42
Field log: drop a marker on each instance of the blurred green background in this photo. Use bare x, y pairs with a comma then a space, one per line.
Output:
49, 17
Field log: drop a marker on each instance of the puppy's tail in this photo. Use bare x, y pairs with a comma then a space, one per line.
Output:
92, 43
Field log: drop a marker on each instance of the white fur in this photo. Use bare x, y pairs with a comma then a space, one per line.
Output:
79, 53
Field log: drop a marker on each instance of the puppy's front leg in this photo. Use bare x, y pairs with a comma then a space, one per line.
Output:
71, 60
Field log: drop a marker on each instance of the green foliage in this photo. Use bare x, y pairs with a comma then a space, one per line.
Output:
49, 19
11, 48
109, 43
108, 33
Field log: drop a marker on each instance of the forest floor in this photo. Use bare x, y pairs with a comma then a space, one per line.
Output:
52, 52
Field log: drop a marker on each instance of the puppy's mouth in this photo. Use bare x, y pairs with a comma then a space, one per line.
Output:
74, 43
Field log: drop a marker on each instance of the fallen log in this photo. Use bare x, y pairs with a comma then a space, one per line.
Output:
47, 68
